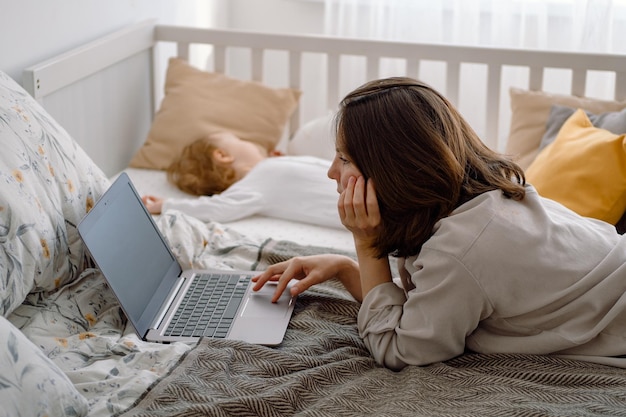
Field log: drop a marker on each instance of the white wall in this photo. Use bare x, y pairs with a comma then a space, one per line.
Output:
278, 16
33, 30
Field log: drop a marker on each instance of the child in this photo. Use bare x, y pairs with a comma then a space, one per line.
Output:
235, 179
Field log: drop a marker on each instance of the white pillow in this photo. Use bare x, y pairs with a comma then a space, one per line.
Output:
315, 138
30, 383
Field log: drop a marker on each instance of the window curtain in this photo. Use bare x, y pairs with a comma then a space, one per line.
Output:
588, 25
564, 25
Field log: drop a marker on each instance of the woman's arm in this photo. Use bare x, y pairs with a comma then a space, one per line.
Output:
429, 323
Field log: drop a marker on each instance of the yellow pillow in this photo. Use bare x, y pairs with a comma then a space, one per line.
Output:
583, 169
198, 102
530, 111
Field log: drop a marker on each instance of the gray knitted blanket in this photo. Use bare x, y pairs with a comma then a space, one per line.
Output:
323, 369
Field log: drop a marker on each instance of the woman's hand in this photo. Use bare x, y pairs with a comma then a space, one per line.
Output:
359, 212
153, 204
311, 270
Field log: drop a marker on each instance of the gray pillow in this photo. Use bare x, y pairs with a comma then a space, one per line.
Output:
614, 122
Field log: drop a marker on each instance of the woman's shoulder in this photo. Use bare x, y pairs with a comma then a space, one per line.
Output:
483, 204
468, 220
490, 213
495, 219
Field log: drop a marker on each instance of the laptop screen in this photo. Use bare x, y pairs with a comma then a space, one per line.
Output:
127, 247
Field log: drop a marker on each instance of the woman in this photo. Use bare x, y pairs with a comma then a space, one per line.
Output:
486, 264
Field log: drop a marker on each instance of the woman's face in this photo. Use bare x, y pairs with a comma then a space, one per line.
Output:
342, 169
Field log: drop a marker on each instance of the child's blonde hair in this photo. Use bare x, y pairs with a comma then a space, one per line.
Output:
196, 172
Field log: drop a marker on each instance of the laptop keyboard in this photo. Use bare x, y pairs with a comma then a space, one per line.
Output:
209, 306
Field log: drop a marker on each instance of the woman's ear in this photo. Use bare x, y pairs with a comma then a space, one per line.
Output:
222, 157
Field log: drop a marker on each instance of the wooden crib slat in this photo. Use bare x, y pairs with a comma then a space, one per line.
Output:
579, 82
373, 67
620, 85
295, 70
413, 67
256, 64
333, 80
494, 78
295, 81
535, 78
182, 50
219, 60
453, 76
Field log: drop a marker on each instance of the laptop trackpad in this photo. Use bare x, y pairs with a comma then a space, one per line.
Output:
259, 304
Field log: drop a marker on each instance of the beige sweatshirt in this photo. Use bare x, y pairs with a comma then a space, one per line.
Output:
500, 275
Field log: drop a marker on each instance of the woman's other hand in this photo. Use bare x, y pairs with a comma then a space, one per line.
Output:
359, 212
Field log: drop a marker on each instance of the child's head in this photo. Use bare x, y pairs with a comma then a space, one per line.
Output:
213, 163
196, 172
241, 154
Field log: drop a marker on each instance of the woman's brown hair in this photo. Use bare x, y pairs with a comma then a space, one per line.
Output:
424, 158
196, 172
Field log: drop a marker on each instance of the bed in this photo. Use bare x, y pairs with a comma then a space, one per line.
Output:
80, 118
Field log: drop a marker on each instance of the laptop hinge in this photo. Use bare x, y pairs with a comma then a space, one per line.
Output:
168, 302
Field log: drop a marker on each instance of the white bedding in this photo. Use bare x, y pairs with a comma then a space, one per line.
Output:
83, 331
155, 182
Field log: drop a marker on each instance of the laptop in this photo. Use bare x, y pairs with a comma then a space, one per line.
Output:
157, 295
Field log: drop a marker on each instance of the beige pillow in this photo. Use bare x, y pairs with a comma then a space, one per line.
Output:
198, 102
529, 114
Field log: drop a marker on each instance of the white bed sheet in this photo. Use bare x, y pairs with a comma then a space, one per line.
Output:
155, 182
